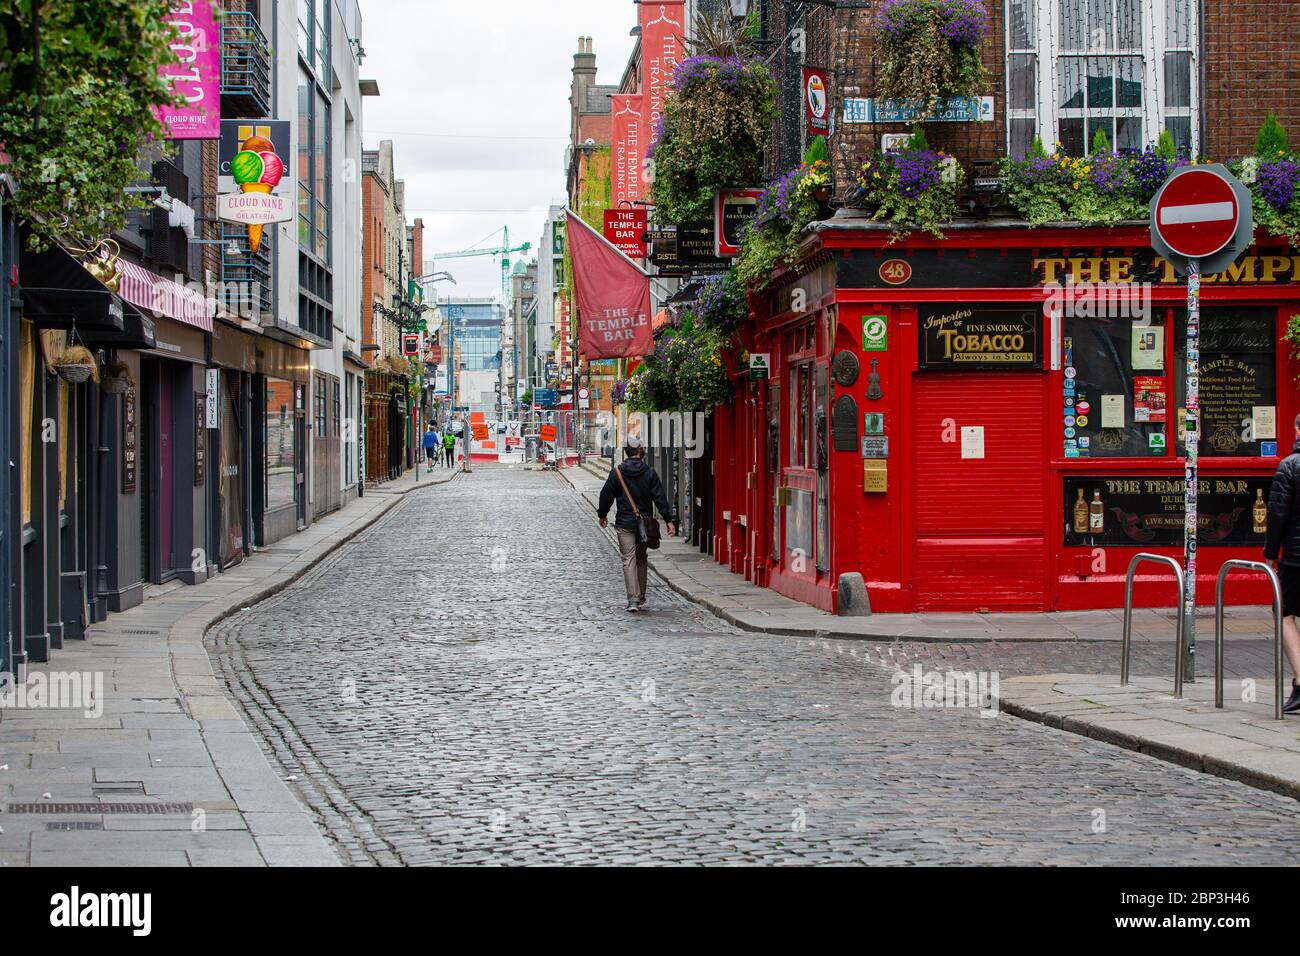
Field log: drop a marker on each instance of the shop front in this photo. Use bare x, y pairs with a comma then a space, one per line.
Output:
995, 421
259, 491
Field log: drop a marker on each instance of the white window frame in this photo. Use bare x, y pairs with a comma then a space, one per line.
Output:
1047, 114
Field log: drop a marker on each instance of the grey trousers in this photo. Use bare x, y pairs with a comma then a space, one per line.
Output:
635, 565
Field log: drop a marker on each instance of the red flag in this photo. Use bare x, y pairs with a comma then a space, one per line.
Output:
613, 296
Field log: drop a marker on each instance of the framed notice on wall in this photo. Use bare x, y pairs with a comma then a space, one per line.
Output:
130, 441
959, 338
200, 438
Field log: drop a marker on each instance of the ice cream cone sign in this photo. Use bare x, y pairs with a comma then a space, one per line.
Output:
257, 169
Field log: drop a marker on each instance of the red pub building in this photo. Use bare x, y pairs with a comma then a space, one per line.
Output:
938, 423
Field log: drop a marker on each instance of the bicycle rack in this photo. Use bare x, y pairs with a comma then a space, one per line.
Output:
1277, 630
1127, 644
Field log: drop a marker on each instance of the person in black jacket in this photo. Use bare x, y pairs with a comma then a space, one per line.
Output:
1284, 534
648, 492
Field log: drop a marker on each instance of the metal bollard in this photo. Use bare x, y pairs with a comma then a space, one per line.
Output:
1127, 642
1277, 630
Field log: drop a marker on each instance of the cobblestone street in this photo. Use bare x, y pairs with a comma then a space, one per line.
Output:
488, 700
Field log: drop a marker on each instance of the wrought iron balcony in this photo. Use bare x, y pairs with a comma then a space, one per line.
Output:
245, 66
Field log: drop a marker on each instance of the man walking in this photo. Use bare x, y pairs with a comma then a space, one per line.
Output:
432, 446
449, 448
647, 491
1284, 534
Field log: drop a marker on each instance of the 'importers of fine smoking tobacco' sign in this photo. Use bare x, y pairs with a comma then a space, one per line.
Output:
953, 337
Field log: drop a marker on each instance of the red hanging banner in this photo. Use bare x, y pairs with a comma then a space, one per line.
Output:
629, 148
663, 25
613, 296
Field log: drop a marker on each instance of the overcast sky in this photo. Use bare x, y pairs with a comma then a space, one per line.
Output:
475, 97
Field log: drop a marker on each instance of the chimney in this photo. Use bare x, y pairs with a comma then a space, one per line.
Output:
584, 73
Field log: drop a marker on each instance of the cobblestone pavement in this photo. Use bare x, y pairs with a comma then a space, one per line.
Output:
461, 685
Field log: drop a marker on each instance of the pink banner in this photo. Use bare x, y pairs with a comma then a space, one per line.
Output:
663, 27
629, 148
613, 297
196, 73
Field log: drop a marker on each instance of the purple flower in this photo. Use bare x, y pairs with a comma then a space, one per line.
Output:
1110, 172
1277, 182
918, 170
962, 22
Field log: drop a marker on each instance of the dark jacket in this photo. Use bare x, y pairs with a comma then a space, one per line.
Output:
645, 487
1284, 511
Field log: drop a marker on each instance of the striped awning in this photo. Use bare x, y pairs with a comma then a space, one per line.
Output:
155, 295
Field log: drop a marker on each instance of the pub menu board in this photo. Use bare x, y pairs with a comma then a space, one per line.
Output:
130, 441
955, 337
1238, 376
1147, 511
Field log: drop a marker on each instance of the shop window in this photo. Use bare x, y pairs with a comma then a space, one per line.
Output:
1078, 67
1115, 406
338, 409
1238, 387
801, 412
279, 444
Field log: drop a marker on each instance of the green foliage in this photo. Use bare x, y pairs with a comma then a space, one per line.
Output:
1036, 148
917, 142
1100, 189
817, 152
1292, 336
1165, 145
772, 238
910, 189
76, 109
1101, 142
684, 373
715, 126
1272, 138
919, 58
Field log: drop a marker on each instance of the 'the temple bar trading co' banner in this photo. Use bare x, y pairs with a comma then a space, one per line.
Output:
663, 26
629, 148
195, 75
613, 296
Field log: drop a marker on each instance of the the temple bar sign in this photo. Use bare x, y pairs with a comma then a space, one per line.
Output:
1016, 268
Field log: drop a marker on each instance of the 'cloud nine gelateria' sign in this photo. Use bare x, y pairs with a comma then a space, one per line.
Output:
953, 337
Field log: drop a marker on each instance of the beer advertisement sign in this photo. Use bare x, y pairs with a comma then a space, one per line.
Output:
1147, 511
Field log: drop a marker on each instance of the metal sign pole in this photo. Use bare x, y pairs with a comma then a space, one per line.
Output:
1193, 430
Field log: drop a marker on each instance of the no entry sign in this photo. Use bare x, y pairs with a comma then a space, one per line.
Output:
1196, 212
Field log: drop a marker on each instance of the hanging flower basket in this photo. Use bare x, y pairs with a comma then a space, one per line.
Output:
117, 380
930, 50
75, 364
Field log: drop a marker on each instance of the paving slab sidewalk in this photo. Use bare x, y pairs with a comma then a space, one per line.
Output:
1241, 742
160, 769
701, 579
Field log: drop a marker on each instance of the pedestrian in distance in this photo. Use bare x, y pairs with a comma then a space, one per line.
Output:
449, 449
1282, 547
639, 492
432, 445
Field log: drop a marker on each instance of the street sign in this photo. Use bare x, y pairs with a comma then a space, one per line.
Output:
212, 398
584, 399
1201, 220
435, 354
1196, 212
548, 433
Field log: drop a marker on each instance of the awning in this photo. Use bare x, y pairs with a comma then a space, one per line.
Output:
659, 320
137, 333
58, 293
151, 293
687, 293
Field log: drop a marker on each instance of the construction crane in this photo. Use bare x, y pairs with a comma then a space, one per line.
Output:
504, 251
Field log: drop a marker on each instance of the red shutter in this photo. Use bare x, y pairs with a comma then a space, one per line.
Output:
980, 523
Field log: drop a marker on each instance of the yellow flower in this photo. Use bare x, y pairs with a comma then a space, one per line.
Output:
1087, 169
1076, 185
875, 175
